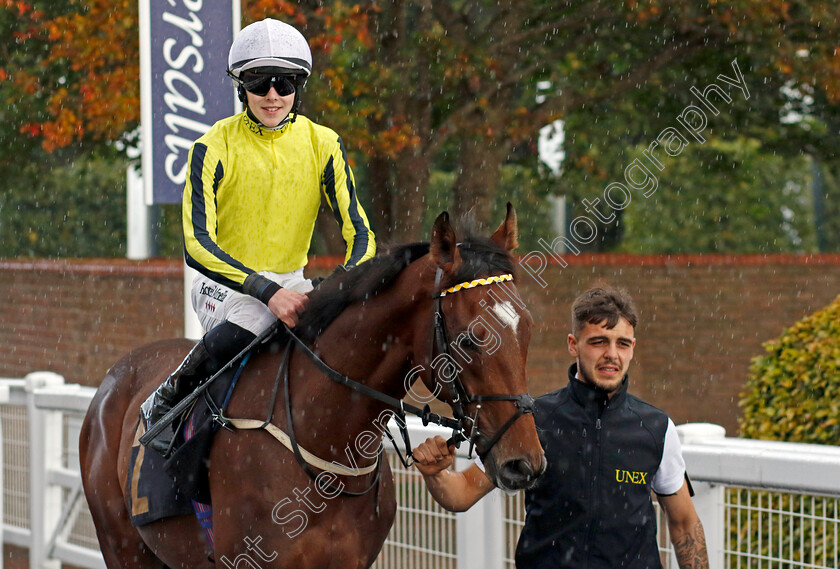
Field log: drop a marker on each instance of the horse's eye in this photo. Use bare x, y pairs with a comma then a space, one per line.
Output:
466, 343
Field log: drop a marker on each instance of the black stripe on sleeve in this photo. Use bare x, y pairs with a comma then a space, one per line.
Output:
221, 279
329, 189
199, 219
360, 242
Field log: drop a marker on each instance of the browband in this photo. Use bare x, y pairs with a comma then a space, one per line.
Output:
477, 282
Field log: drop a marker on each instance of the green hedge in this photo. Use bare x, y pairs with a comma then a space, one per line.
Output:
793, 392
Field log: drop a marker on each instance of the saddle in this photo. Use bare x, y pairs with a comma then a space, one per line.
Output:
161, 487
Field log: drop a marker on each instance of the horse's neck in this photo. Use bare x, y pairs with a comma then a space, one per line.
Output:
372, 344
376, 340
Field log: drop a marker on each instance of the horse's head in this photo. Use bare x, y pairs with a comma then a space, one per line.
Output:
470, 350
481, 332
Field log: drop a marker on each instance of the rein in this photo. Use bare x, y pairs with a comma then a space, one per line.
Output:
460, 398
304, 457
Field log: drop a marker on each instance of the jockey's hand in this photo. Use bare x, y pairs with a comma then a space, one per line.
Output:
433, 456
288, 305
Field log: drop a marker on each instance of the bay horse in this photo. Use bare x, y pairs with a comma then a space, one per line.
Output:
381, 323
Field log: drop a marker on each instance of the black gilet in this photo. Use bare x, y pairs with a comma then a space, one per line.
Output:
592, 508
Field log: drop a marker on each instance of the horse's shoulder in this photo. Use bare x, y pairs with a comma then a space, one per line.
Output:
169, 344
149, 362
148, 354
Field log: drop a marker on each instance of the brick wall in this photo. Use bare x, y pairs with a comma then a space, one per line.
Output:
701, 317
77, 317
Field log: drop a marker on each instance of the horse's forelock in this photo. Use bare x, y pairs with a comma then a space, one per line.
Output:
481, 257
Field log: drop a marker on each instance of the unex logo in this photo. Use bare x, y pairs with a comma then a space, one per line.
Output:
630, 477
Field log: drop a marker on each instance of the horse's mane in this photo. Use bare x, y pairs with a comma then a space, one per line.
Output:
480, 257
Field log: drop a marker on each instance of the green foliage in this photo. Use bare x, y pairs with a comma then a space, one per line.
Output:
520, 185
406, 79
793, 392
724, 196
829, 205
169, 231
406, 82
78, 209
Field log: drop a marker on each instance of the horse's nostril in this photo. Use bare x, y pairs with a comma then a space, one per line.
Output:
518, 469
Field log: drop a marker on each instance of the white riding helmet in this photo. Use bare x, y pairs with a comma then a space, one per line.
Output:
269, 43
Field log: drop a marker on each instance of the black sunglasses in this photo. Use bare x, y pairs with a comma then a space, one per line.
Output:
260, 85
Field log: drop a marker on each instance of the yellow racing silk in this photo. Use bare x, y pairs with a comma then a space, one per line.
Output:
252, 196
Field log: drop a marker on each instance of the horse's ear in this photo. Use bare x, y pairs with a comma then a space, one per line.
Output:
507, 235
443, 245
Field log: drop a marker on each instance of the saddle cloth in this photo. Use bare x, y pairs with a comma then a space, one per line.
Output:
161, 487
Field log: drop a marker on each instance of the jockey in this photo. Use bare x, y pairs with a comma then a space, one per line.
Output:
249, 208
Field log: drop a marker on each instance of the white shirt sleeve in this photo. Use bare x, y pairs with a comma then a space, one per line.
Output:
671, 474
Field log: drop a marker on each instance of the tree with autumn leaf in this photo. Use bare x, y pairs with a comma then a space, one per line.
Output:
69, 77
469, 83
419, 87
469, 77
73, 70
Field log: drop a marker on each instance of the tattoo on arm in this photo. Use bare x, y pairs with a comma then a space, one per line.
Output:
690, 549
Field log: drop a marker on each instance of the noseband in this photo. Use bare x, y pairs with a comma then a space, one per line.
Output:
460, 398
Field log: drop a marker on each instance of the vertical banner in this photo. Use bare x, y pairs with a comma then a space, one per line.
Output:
183, 86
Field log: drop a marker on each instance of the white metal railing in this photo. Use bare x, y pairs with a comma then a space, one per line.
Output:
763, 504
41, 421
775, 504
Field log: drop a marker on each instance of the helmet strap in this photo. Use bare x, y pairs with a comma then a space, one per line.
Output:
296, 104
290, 118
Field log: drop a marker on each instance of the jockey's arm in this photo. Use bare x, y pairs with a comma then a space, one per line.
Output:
455, 491
339, 189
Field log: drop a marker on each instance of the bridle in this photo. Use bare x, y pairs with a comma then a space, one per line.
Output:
460, 398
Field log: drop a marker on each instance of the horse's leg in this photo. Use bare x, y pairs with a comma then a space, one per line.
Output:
121, 545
